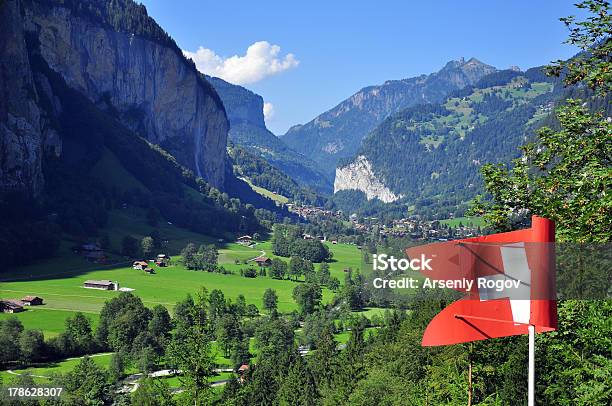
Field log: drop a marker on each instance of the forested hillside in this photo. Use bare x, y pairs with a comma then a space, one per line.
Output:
260, 173
431, 154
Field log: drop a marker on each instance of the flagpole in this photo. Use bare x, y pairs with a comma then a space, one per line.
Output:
531, 380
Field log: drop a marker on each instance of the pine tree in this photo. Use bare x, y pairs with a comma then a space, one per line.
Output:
299, 387
324, 360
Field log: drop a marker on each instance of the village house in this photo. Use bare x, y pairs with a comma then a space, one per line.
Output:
244, 368
101, 285
32, 301
11, 306
263, 261
92, 252
245, 240
162, 260
140, 265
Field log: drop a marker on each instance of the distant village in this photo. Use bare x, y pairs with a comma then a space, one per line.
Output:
414, 226
417, 229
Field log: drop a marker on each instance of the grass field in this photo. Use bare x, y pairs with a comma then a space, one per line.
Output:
43, 372
466, 221
59, 282
267, 193
50, 321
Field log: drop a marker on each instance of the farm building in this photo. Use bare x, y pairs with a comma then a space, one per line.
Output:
140, 265
162, 260
245, 240
11, 306
244, 368
32, 301
102, 285
263, 261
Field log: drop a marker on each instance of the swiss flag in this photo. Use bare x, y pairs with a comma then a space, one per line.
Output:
523, 260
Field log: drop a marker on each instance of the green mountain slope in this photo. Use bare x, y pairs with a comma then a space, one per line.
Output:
430, 155
262, 174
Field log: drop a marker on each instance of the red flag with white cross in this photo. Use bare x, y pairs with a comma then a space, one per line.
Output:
509, 283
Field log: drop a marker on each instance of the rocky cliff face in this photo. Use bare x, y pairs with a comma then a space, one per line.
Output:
338, 133
143, 80
241, 105
358, 175
20, 132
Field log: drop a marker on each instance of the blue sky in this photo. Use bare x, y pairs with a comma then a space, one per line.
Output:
338, 47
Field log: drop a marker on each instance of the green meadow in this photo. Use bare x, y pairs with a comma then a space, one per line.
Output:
59, 282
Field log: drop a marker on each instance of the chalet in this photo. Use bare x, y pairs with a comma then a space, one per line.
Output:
92, 252
334, 242
245, 240
11, 306
162, 260
140, 265
307, 237
101, 285
244, 368
32, 301
263, 261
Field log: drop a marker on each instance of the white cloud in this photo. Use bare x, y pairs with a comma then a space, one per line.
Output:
261, 60
268, 111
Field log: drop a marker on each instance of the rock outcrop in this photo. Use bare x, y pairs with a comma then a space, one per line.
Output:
358, 175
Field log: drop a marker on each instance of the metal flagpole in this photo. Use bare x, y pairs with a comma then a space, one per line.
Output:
531, 381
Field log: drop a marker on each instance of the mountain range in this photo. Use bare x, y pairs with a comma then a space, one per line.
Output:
406, 141
337, 133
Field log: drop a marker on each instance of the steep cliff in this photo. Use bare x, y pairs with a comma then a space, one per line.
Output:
338, 133
121, 60
241, 105
20, 132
